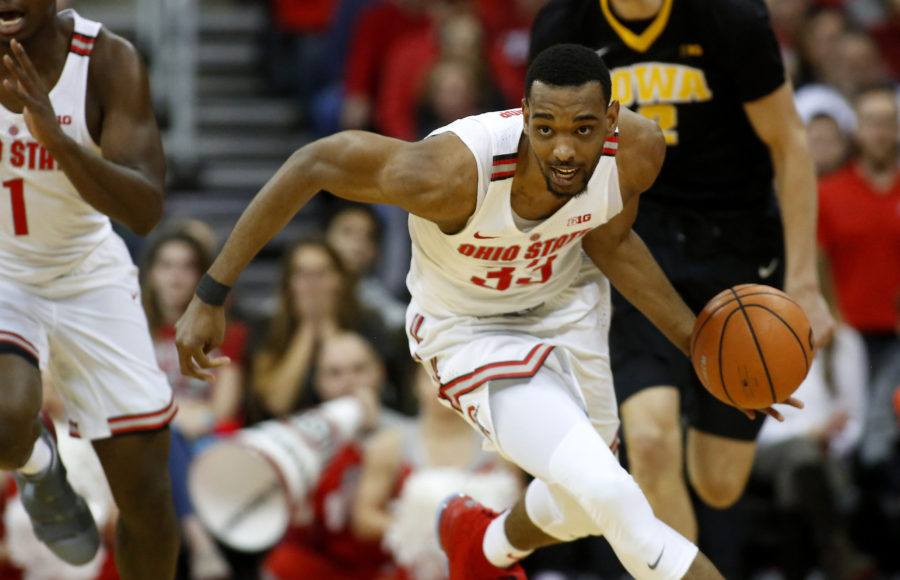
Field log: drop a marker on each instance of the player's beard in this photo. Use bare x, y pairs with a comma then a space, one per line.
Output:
545, 171
563, 194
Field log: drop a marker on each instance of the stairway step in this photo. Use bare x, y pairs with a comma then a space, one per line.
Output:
232, 84
226, 55
260, 112
246, 174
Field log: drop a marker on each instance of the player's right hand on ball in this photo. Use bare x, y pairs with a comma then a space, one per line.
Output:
199, 330
772, 411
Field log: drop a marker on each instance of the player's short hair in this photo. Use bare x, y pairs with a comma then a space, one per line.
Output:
568, 65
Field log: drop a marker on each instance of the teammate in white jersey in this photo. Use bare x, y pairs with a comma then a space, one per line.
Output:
78, 146
505, 313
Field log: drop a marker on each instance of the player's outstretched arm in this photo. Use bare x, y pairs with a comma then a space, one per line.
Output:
775, 120
126, 182
620, 253
434, 179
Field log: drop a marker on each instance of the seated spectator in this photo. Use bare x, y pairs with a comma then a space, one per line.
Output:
854, 66
886, 33
376, 32
172, 265
453, 34
806, 460
829, 146
297, 46
355, 232
453, 90
320, 542
437, 441
788, 17
316, 300
818, 44
508, 27
862, 246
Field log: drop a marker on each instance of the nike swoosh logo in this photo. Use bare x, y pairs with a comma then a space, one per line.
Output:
658, 558
601, 51
480, 237
766, 271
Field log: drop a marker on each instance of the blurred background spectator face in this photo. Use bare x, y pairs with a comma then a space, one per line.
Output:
857, 64
315, 281
453, 91
788, 18
878, 129
462, 36
828, 145
173, 273
354, 234
820, 38
347, 364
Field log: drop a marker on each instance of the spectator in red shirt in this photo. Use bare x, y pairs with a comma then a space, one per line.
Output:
173, 263
297, 47
377, 30
859, 225
887, 35
320, 542
454, 34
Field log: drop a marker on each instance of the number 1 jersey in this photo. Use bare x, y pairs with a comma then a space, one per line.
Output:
46, 230
493, 266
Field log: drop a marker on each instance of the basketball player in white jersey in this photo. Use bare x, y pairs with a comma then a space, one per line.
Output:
78, 146
510, 213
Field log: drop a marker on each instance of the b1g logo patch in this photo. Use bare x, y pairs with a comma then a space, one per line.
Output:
581, 219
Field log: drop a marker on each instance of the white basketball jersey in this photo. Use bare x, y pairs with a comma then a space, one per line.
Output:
492, 267
46, 229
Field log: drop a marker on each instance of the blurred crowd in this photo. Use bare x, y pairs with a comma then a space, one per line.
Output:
825, 494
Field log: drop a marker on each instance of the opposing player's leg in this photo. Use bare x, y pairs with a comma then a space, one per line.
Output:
720, 450
147, 537
581, 488
653, 441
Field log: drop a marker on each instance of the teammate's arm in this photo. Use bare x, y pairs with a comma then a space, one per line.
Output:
126, 182
776, 122
434, 179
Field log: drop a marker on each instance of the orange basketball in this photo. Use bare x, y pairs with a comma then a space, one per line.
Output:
752, 346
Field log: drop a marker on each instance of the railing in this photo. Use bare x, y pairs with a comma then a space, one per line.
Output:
167, 30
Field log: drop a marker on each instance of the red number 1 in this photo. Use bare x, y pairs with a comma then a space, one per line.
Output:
16, 189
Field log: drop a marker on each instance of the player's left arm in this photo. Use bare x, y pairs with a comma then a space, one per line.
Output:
126, 181
777, 123
620, 253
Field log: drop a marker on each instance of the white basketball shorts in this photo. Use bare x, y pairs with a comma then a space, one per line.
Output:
97, 348
568, 332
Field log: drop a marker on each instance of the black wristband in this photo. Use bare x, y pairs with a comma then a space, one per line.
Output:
212, 292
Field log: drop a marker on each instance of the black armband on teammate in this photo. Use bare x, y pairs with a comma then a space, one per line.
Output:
211, 291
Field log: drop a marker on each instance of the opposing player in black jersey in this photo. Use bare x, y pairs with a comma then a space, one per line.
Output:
710, 73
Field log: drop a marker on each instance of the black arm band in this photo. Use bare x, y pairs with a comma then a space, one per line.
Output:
212, 292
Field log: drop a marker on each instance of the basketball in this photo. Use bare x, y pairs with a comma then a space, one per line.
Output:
752, 346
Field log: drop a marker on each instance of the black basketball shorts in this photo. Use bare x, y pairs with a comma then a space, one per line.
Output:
702, 254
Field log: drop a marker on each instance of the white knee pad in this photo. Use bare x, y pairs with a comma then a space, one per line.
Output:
584, 467
556, 513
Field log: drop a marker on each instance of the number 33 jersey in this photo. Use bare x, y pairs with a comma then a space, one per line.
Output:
494, 265
47, 230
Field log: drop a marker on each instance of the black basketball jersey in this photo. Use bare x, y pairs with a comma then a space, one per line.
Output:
690, 68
